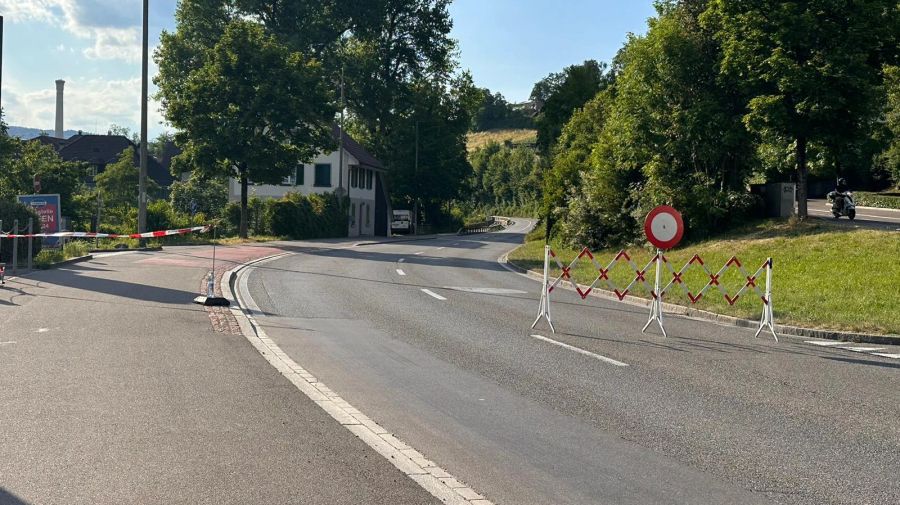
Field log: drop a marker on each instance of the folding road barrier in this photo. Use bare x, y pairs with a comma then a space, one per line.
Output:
675, 278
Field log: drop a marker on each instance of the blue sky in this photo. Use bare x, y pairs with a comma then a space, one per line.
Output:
94, 45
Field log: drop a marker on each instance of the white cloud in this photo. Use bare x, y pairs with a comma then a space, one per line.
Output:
112, 25
91, 105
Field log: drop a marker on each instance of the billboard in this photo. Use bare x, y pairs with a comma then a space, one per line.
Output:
48, 210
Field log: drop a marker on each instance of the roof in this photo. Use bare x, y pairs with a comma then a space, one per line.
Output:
103, 150
356, 150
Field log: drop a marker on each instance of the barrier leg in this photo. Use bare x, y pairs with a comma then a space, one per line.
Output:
15, 242
544, 311
768, 318
656, 304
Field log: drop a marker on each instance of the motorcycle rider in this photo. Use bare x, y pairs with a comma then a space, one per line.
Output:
842, 186
840, 196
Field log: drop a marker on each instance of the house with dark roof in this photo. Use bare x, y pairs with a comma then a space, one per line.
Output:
357, 174
98, 151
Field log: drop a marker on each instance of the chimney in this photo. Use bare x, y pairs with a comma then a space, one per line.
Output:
59, 108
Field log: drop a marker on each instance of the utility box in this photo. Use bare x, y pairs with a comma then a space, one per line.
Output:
780, 198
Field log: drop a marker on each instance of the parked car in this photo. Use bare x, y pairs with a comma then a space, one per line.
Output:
401, 223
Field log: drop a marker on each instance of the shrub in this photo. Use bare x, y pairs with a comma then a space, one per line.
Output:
9, 212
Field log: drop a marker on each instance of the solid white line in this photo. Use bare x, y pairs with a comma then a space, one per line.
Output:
409, 461
825, 344
400, 272
433, 294
580, 351
886, 355
863, 349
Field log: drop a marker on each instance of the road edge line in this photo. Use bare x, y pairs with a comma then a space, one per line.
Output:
424, 472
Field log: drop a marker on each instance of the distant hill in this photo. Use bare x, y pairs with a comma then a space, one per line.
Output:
30, 133
478, 140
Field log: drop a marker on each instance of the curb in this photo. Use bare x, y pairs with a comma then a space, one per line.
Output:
136, 249
70, 261
705, 315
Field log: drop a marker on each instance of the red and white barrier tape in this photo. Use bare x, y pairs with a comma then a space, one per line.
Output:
85, 234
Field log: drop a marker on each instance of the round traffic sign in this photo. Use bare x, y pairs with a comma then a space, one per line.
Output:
664, 227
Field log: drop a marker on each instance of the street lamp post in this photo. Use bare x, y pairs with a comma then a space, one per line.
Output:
142, 184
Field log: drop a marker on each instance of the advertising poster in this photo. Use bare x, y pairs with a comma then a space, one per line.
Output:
48, 210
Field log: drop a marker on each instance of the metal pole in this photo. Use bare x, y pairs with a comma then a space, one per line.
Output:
30, 242
656, 303
142, 185
416, 204
15, 252
545, 293
768, 316
341, 140
1, 62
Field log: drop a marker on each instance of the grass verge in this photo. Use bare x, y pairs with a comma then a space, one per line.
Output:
477, 140
825, 276
49, 257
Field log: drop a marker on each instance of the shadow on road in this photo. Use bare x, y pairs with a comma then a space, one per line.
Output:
78, 277
7, 498
863, 362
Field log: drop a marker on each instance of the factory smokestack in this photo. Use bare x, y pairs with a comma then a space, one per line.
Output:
59, 108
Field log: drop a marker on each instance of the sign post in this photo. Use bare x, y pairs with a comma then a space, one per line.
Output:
545, 293
664, 229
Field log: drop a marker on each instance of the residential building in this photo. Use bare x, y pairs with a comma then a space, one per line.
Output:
361, 175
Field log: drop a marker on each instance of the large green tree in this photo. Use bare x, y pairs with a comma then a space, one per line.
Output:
118, 183
30, 160
810, 68
559, 95
245, 104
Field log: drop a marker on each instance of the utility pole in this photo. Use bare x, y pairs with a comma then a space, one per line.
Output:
341, 140
1, 62
416, 203
142, 184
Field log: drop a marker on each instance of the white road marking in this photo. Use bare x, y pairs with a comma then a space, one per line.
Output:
401, 260
439, 248
420, 253
488, 291
863, 349
580, 351
411, 462
43, 330
826, 344
10, 342
400, 272
870, 216
886, 355
433, 294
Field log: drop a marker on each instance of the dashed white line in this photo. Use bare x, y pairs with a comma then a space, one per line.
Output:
433, 294
401, 260
580, 351
863, 349
420, 253
439, 248
400, 272
825, 344
886, 355
10, 342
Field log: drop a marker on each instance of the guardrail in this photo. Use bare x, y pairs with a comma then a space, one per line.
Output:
494, 223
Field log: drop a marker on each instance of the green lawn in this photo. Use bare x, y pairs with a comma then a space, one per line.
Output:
824, 276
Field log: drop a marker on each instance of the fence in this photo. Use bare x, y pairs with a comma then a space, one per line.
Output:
660, 266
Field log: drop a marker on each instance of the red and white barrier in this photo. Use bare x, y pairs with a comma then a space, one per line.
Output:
657, 290
85, 234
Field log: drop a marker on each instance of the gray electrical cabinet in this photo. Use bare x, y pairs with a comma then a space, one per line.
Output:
780, 198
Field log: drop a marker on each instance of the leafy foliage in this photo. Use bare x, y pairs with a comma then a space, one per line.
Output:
496, 113
559, 95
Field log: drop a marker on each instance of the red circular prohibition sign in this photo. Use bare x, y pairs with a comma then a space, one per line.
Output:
664, 227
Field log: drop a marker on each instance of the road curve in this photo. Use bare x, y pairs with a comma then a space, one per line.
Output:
432, 340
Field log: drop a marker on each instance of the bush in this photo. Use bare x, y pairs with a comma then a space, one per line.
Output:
882, 201
306, 217
9, 212
48, 258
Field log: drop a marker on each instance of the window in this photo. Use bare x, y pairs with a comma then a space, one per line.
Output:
290, 180
323, 175
299, 175
369, 176
354, 176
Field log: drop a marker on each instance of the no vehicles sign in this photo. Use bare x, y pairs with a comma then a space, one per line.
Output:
664, 227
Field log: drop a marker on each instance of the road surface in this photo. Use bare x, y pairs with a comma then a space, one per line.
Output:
115, 388
432, 340
868, 216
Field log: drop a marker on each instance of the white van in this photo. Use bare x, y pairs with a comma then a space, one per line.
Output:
402, 222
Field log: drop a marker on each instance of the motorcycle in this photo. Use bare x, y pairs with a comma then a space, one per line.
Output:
842, 204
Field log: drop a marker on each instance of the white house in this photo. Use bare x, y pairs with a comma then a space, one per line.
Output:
361, 175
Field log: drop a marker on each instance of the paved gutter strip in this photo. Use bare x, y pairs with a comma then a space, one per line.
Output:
863, 338
412, 463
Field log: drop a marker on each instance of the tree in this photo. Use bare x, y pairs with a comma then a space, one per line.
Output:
125, 131
495, 112
810, 68
34, 159
891, 156
561, 94
118, 183
246, 106
205, 195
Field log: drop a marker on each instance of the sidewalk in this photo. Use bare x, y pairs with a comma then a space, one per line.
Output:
117, 388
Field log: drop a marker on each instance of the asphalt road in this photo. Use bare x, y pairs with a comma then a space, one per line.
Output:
868, 216
115, 388
709, 415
